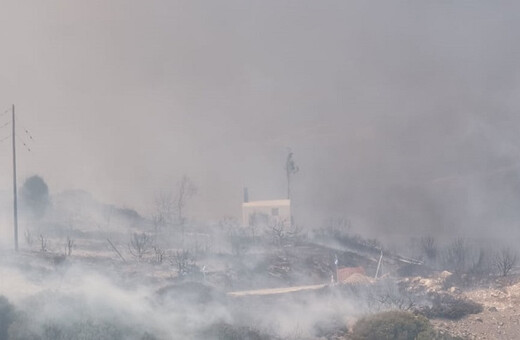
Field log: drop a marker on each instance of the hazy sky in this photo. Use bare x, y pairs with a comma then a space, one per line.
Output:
401, 114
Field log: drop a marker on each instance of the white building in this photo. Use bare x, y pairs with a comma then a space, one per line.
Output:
266, 213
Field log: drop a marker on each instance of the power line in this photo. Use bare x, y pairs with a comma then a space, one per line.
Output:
5, 138
23, 142
27, 132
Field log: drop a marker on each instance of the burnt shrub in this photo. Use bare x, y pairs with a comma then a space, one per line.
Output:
225, 331
193, 292
395, 325
26, 329
446, 306
330, 327
463, 280
7, 316
413, 269
390, 325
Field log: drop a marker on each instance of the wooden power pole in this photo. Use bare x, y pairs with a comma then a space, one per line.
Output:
15, 193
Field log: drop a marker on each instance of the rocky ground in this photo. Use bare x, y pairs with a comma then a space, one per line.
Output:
500, 299
500, 318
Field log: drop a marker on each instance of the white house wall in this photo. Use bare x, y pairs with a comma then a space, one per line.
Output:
275, 210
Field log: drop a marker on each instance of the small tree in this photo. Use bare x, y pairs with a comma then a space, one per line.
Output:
69, 246
184, 262
386, 295
337, 226
28, 237
283, 234
186, 189
34, 196
159, 254
169, 206
456, 255
164, 214
239, 241
278, 234
429, 247
505, 260
481, 263
139, 245
43, 243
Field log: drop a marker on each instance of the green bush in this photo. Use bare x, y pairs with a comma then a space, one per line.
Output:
395, 325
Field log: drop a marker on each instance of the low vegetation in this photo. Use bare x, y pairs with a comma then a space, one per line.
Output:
7, 317
191, 268
446, 306
226, 331
395, 325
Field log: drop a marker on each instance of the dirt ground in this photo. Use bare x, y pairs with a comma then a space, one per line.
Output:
500, 318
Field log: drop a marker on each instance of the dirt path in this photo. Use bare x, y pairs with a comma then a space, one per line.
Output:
272, 291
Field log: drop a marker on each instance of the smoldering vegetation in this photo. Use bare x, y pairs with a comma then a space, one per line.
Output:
88, 270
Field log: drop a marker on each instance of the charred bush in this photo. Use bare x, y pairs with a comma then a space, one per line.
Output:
225, 331
283, 234
446, 306
148, 336
139, 245
159, 254
239, 241
412, 269
456, 256
184, 262
395, 325
462, 280
7, 316
331, 327
58, 259
192, 292
54, 330
340, 231
505, 260
69, 246
429, 248
387, 295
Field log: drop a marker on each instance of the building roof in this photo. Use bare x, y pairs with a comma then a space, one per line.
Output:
268, 203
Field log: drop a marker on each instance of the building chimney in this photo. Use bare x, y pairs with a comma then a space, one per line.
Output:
246, 196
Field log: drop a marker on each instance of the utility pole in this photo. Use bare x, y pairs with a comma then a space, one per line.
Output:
15, 194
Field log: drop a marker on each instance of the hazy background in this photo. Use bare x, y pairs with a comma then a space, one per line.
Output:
402, 115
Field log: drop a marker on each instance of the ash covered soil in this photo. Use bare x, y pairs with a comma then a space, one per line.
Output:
289, 295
